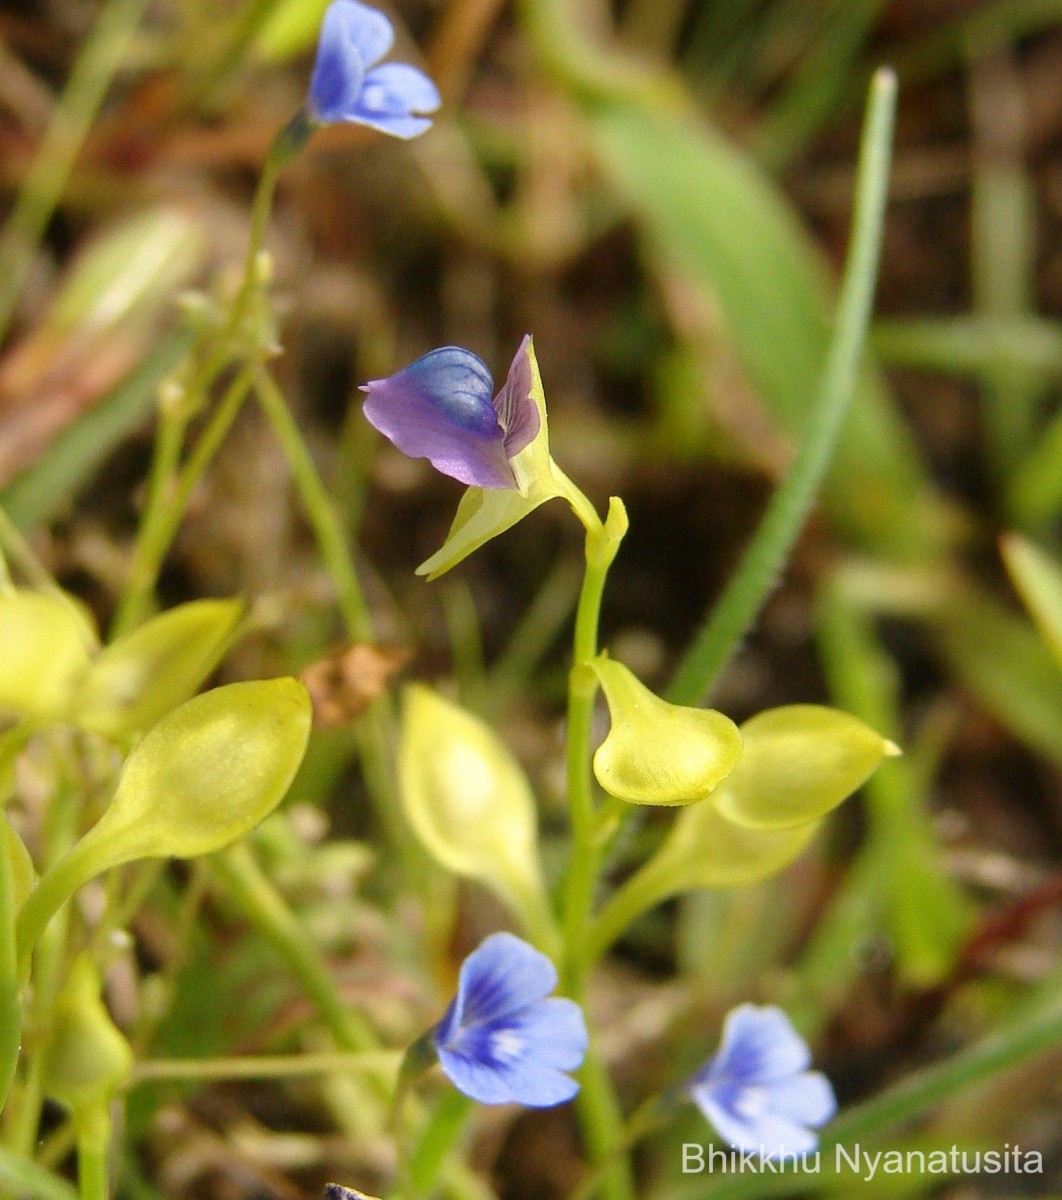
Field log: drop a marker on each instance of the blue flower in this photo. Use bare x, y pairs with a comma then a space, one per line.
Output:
348, 86
501, 1040
757, 1091
441, 408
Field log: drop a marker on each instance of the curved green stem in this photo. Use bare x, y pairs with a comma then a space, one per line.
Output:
602, 545
55, 888
773, 541
10, 992
267, 1066
168, 501
598, 1108
242, 878
318, 506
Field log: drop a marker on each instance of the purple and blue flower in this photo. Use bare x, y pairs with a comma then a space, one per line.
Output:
504, 1038
347, 84
443, 408
757, 1090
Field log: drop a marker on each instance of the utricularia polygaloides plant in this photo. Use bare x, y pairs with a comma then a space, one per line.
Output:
190, 774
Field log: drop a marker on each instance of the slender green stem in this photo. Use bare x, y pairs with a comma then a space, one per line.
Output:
10, 992
374, 729
641, 1123
93, 1143
168, 501
602, 545
96, 67
53, 891
18, 548
242, 878
60, 830
774, 539
168, 492
639, 893
278, 1066
320, 511
598, 1108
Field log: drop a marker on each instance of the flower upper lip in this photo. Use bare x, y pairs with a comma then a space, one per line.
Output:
347, 85
442, 408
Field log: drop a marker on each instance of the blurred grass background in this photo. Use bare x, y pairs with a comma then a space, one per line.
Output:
660, 191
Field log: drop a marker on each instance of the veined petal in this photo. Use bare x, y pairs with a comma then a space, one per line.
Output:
503, 975
440, 408
756, 1091
515, 405
502, 1040
339, 70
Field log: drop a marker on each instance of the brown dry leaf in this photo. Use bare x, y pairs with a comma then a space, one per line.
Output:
343, 685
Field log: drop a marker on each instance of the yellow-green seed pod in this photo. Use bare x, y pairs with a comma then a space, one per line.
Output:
87, 1060
797, 763
656, 752
209, 771
1038, 578
469, 802
142, 676
703, 850
47, 641
204, 776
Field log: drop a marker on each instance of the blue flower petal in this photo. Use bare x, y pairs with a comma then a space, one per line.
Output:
339, 70
807, 1098
396, 88
389, 97
501, 1040
440, 408
748, 1128
521, 1057
517, 410
501, 977
758, 1045
756, 1091
353, 38
366, 29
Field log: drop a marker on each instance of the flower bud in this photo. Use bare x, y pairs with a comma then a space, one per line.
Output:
797, 763
146, 673
469, 802
656, 752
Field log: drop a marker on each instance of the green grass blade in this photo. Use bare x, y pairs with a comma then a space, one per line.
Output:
774, 539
